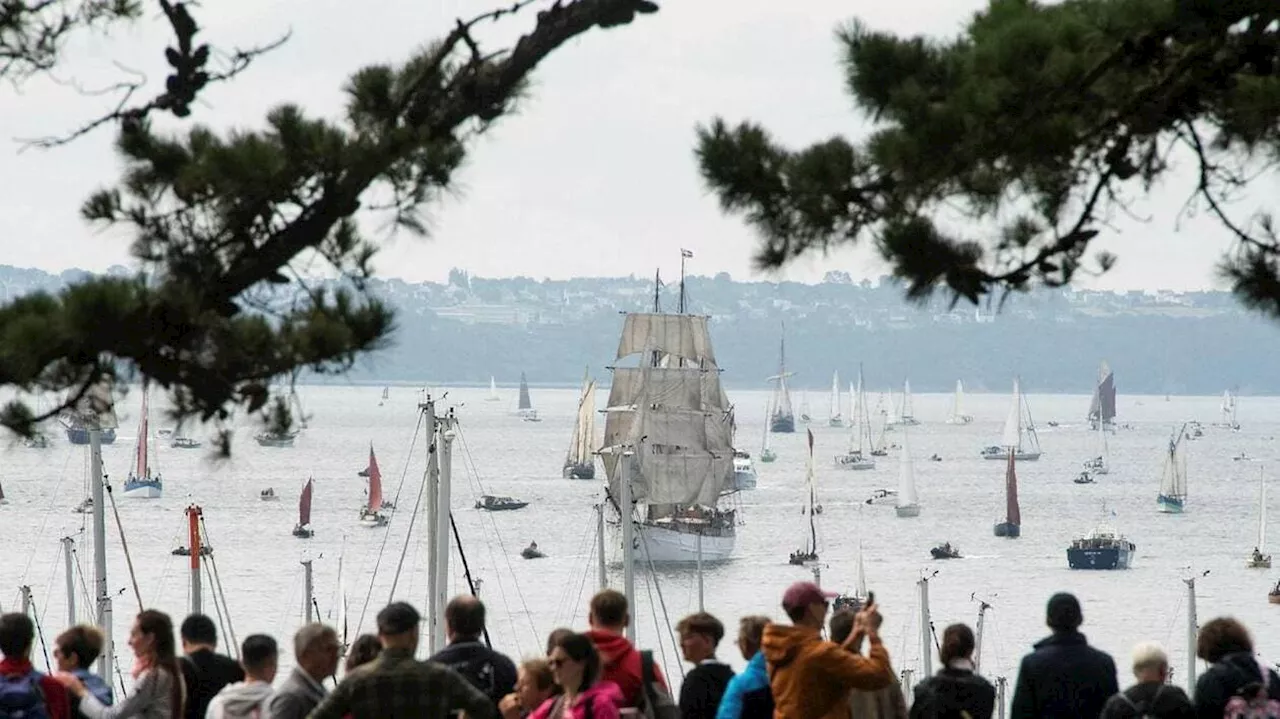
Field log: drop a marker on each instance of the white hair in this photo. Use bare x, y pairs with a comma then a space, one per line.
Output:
309, 636
1149, 655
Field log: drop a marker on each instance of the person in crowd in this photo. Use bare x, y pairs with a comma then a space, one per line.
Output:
811, 677
75, 650
363, 650
575, 664
23, 690
555, 636
535, 683
748, 695
608, 618
1064, 678
1234, 672
956, 690
704, 685
397, 686
204, 671
886, 703
157, 680
316, 651
1151, 696
489, 671
259, 656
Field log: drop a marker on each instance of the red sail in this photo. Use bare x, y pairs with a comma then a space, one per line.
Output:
375, 483
1011, 494
304, 505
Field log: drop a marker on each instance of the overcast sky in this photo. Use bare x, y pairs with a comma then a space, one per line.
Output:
595, 176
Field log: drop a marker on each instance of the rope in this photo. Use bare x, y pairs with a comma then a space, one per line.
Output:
413, 518
217, 609
133, 577
466, 570
662, 602
35, 616
221, 596
44, 520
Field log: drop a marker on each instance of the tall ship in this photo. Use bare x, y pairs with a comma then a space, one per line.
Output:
783, 419
1173, 477
1102, 409
1019, 432
580, 462
669, 430
1011, 527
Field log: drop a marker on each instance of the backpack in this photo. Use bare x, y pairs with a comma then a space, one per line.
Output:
21, 697
655, 700
1142, 709
1258, 704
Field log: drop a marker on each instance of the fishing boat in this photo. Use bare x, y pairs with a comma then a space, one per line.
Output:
1011, 527
179, 442
957, 414
580, 461
908, 503
493, 391
1259, 559
302, 529
905, 415
1103, 548
1228, 411
860, 444
946, 550
1173, 478
809, 552
767, 454
1102, 408
268, 495
744, 471
524, 404
836, 417
494, 503
783, 419
669, 430
140, 482
1019, 432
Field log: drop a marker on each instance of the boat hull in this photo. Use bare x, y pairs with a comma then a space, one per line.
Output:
782, 425
854, 463
1007, 529
146, 489
303, 532
908, 510
1264, 563
579, 471
274, 441
768, 455
664, 545
1017, 456
1169, 505
1274, 597
962, 419
939, 553
1099, 558
80, 435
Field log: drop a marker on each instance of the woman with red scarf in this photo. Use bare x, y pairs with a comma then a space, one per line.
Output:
157, 691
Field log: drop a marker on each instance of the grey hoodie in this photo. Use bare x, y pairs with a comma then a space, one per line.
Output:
242, 700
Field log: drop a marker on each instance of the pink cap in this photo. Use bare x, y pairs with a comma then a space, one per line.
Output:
802, 594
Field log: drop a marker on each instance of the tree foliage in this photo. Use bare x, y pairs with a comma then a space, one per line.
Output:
1031, 129
224, 222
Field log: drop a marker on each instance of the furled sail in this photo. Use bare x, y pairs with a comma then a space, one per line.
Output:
684, 337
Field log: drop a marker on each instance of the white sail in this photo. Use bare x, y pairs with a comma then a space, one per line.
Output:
1262, 511
1019, 432
768, 412
584, 429
908, 504
1173, 479
835, 414
908, 412
853, 409
860, 582
493, 390
1011, 437
957, 415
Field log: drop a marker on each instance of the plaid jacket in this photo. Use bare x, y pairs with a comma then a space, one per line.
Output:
397, 686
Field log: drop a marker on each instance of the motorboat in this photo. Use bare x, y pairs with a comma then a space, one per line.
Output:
532, 551
945, 551
883, 496
205, 550
184, 443
1083, 478
268, 495
800, 557
1102, 549
499, 504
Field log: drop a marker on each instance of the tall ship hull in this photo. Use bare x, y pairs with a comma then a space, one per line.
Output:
664, 542
1102, 558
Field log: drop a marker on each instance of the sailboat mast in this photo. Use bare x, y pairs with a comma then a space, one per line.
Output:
601, 568
193, 522
1262, 509
628, 537
926, 631
103, 598
1192, 633
684, 255
443, 523
428, 409
308, 590
68, 550
977, 645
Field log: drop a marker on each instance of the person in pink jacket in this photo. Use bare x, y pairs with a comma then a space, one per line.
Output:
576, 667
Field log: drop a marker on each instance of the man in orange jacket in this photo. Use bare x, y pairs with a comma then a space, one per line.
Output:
810, 677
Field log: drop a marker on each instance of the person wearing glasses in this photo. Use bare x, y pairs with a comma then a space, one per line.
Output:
575, 664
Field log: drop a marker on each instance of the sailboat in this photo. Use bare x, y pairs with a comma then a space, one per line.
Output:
2, 499
386, 393
669, 430
809, 552
1102, 409
1019, 432
766, 452
525, 406
906, 412
580, 462
140, 482
836, 418
805, 415
302, 529
493, 391
1259, 560
908, 504
371, 513
1173, 479
957, 415
858, 458
1011, 527
783, 419
1102, 463
372, 472
1228, 410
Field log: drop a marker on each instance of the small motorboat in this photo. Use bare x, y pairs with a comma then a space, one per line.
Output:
1242, 457
205, 550
1083, 478
162, 433
275, 439
184, 443
499, 504
1053, 423
935, 458
945, 551
1258, 560
532, 551
768, 455
883, 496
268, 495
800, 557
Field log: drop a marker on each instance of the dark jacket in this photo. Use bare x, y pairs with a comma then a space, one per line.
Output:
1154, 698
1226, 678
1064, 678
951, 691
489, 671
205, 673
702, 690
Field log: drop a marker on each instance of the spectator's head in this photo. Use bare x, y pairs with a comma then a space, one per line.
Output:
806, 604
534, 683
316, 650
398, 626
463, 618
750, 634
1220, 637
700, 634
957, 644
198, 633
17, 632
575, 663
152, 638
78, 647
841, 624
364, 649
1063, 613
555, 636
609, 611
259, 656
1150, 663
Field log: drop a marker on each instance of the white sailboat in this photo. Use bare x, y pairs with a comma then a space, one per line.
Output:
836, 418
805, 415
906, 414
809, 552
493, 391
141, 482
908, 504
1260, 559
580, 462
1019, 432
524, 406
1228, 410
1100, 464
766, 452
783, 419
957, 414
859, 455
1173, 479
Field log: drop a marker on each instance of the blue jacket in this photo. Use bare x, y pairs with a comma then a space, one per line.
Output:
95, 685
748, 695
